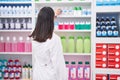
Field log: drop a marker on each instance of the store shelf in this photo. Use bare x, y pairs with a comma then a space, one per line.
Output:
23, 16
64, 2
72, 31
15, 30
19, 53
102, 9
15, 2
108, 40
77, 54
107, 71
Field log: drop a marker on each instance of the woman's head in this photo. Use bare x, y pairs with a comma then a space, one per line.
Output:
44, 25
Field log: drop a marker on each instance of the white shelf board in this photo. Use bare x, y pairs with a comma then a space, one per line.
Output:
64, 2
72, 31
15, 2
87, 16
16, 16
107, 71
102, 9
77, 54
15, 53
108, 40
15, 30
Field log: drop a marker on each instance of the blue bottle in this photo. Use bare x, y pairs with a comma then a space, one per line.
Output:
115, 33
110, 33
104, 33
98, 33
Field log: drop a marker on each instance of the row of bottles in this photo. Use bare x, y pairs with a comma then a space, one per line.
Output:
78, 71
12, 69
107, 27
108, 2
85, 25
14, 45
15, 23
60, 0
15, 10
81, 45
14, 0
76, 11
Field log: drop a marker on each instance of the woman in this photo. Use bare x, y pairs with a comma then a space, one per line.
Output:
48, 60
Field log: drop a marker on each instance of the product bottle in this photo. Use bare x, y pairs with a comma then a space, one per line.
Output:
29, 24
6, 74
75, 11
27, 70
80, 71
79, 45
1, 73
63, 40
2, 44
6, 24
14, 45
17, 24
28, 45
21, 45
23, 24
8, 45
72, 26
1, 25
12, 26
71, 44
30, 72
18, 75
11, 75
68, 69
80, 11
73, 71
5, 62
87, 71
24, 72
87, 44
66, 25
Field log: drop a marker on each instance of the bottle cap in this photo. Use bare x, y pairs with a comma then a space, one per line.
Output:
80, 8
8, 38
75, 8
20, 38
14, 38
87, 62
28, 38
1, 38
62, 37
72, 62
79, 37
71, 37
88, 37
66, 62
80, 62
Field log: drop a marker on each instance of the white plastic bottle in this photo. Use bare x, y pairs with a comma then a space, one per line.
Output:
24, 24
1, 10
29, 24
6, 24
28, 45
10, 11
5, 11
12, 26
1, 26
17, 24
14, 45
17, 11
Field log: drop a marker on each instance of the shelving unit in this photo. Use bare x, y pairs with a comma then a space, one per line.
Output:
105, 40
67, 33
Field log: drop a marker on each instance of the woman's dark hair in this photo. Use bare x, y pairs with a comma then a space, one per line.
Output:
44, 25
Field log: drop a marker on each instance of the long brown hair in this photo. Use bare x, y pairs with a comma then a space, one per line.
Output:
44, 25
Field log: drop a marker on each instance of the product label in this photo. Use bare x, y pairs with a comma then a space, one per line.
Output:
73, 73
6, 74
11, 75
0, 74
87, 73
80, 72
14, 68
118, 78
17, 75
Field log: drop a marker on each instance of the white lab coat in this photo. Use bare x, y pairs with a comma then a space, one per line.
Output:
48, 60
